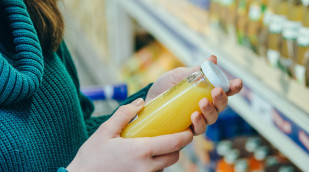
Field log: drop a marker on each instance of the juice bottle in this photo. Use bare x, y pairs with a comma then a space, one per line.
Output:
241, 165
257, 162
171, 111
251, 145
213, 11
228, 15
255, 16
289, 35
275, 29
242, 20
269, 12
271, 160
286, 168
302, 47
224, 147
227, 163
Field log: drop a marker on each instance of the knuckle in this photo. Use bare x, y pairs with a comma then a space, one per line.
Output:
124, 109
177, 144
212, 119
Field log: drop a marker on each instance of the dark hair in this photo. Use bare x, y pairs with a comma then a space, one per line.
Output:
47, 21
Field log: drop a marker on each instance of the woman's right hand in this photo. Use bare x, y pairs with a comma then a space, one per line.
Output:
105, 150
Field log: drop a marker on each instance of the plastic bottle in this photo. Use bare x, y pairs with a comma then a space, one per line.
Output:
257, 162
224, 147
227, 163
241, 165
171, 111
302, 47
270, 161
286, 169
251, 145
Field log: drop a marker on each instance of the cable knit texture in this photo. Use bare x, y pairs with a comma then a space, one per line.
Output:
44, 118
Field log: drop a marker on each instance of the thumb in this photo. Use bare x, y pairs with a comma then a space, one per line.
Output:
124, 115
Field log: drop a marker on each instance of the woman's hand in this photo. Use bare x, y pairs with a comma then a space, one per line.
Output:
209, 110
105, 150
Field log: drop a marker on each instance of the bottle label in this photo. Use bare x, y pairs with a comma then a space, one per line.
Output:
290, 30
255, 12
273, 57
300, 73
303, 37
276, 23
286, 62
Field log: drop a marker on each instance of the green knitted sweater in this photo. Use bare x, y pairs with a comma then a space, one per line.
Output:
44, 118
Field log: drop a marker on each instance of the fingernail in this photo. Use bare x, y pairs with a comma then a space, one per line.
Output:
139, 102
203, 102
240, 85
220, 93
198, 118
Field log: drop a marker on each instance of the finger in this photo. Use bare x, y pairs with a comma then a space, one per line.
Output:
124, 115
163, 161
168, 143
198, 123
220, 99
235, 87
213, 59
209, 111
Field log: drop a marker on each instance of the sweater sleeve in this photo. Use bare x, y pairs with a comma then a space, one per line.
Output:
93, 123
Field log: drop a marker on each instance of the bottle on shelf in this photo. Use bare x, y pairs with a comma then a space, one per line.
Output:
289, 35
302, 47
269, 12
171, 111
241, 165
257, 162
227, 163
274, 32
251, 145
228, 15
223, 147
242, 20
213, 11
271, 161
255, 17
286, 168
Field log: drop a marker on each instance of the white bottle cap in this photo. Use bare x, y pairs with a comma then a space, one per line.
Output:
215, 75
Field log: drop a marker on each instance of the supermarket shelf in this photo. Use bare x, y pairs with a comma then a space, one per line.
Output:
258, 104
271, 133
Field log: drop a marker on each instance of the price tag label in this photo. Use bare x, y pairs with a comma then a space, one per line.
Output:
261, 107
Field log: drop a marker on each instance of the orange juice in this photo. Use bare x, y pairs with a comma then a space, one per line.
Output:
171, 111
302, 48
289, 35
227, 163
257, 162
276, 25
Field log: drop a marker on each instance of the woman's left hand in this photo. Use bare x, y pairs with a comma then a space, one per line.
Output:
209, 110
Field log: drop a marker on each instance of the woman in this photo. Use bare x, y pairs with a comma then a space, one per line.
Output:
45, 120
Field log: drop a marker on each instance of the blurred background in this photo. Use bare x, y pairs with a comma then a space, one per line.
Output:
120, 46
